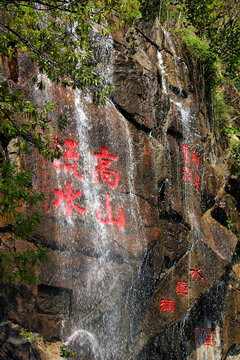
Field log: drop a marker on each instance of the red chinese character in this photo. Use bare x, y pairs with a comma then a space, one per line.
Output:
208, 336
186, 153
196, 273
69, 197
72, 168
196, 180
195, 159
197, 332
111, 177
120, 221
166, 305
70, 154
187, 174
182, 288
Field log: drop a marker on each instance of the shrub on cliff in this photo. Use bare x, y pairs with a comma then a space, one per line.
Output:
218, 21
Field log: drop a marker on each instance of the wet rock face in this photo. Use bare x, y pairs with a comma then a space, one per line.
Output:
139, 217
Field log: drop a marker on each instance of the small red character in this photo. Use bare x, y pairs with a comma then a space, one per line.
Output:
186, 153
195, 159
196, 273
187, 174
120, 221
207, 334
197, 331
69, 197
182, 288
111, 177
72, 168
166, 305
70, 154
196, 180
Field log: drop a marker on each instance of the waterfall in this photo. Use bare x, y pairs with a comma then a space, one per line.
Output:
189, 157
93, 244
118, 251
184, 105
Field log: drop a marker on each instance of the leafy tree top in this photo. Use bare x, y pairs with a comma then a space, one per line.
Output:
57, 36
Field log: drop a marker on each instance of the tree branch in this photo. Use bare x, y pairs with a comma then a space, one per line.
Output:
47, 5
26, 137
26, 42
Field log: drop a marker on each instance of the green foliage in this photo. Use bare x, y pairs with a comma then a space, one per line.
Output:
30, 336
150, 9
223, 115
17, 266
219, 22
15, 197
209, 29
235, 165
233, 133
65, 352
33, 338
201, 50
199, 47
223, 118
31, 132
221, 111
57, 36
167, 12
230, 225
15, 192
232, 130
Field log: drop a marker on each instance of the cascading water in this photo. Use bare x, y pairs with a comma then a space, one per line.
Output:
89, 333
98, 245
187, 118
189, 173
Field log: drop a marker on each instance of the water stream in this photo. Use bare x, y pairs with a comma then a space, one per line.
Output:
103, 280
101, 247
190, 146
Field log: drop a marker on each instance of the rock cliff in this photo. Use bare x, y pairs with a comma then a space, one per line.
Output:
141, 216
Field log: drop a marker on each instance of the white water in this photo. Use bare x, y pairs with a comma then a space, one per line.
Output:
103, 283
97, 292
82, 339
190, 136
187, 120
